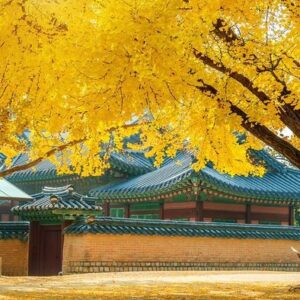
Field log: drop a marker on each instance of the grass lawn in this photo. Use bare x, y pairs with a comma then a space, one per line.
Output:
154, 285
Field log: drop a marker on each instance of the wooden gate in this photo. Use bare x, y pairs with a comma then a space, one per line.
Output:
45, 249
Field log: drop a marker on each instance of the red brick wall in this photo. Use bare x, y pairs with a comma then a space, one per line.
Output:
14, 254
131, 248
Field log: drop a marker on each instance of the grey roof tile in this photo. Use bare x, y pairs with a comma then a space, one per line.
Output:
279, 183
183, 228
67, 200
14, 230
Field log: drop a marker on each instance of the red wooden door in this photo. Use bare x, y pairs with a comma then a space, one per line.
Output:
45, 251
51, 263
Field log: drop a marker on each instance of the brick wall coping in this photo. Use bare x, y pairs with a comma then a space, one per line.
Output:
109, 225
14, 230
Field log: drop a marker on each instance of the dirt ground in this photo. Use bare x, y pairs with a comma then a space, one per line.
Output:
155, 285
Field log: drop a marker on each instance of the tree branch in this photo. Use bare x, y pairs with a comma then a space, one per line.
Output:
40, 159
57, 149
243, 80
287, 114
260, 131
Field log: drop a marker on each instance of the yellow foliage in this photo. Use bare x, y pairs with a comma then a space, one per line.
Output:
81, 70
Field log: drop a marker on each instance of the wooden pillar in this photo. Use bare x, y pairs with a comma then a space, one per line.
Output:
127, 210
199, 211
291, 215
106, 209
11, 215
162, 210
248, 214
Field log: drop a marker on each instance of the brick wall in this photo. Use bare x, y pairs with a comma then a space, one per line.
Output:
108, 252
14, 254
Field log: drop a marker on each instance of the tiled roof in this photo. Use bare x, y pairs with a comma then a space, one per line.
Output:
10, 192
110, 225
174, 172
45, 170
67, 199
132, 162
279, 183
14, 230
129, 162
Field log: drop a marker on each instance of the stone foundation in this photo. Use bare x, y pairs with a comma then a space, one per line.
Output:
100, 266
120, 253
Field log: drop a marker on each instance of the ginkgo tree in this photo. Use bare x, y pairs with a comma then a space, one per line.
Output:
196, 75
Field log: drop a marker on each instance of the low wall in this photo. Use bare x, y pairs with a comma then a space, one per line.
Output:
131, 245
14, 248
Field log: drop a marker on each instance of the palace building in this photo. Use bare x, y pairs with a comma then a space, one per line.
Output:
134, 188
175, 192
129, 218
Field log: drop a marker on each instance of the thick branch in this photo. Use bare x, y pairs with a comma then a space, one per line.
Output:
40, 159
287, 114
57, 149
256, 129
243, 80
269, 138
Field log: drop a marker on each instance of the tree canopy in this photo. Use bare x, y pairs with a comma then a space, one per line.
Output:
196, 75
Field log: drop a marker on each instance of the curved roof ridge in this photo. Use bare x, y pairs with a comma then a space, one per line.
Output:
279, 185
67, 198
60, 189
155, 179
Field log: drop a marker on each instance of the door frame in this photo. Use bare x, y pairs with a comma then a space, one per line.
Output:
37, 263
